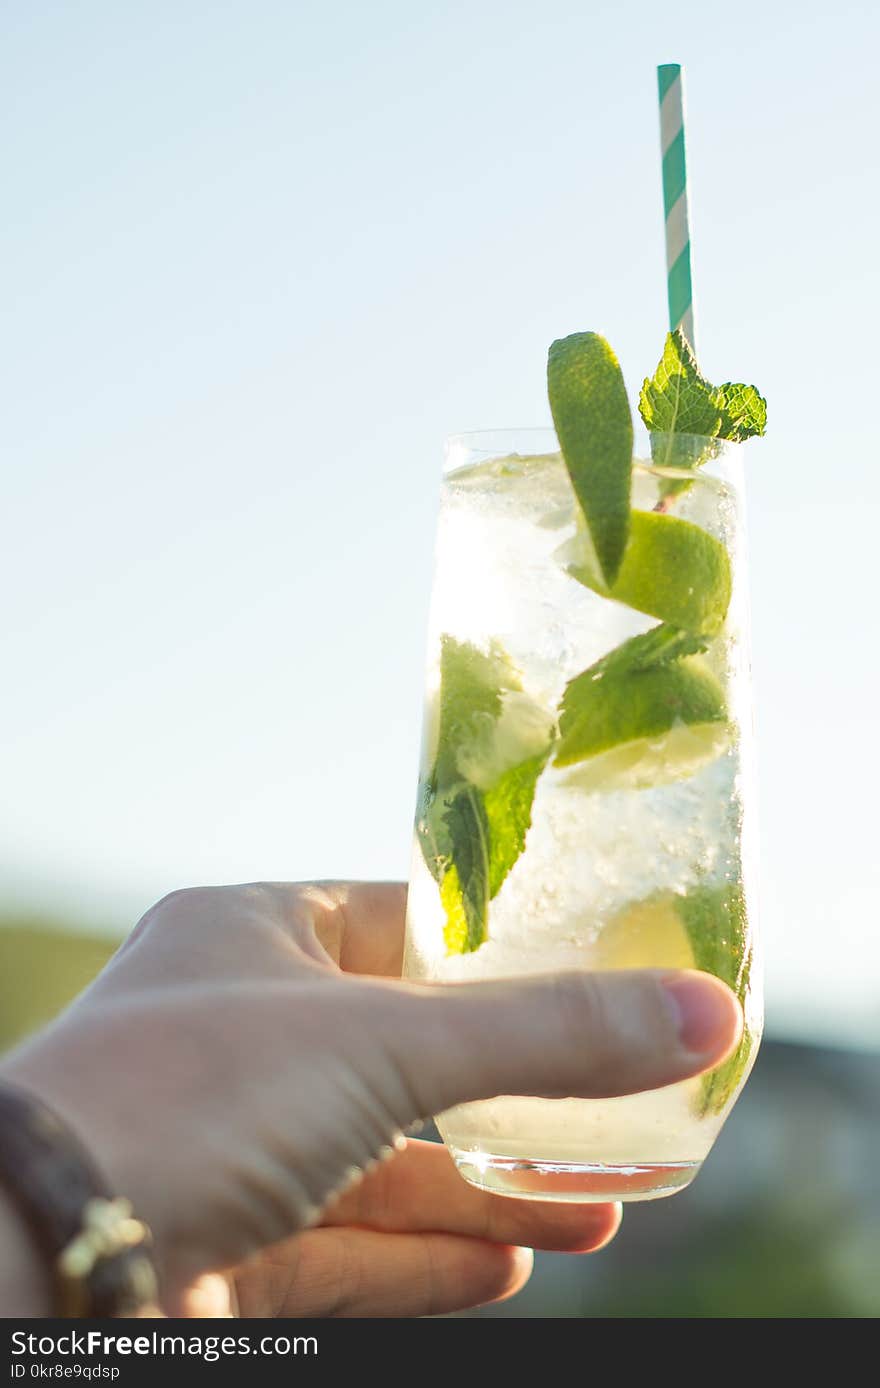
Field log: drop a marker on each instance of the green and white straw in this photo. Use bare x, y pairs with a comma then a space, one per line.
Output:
675, 201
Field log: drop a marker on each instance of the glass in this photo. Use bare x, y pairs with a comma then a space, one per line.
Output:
638, 858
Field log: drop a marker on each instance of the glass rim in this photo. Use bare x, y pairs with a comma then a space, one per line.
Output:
463, 449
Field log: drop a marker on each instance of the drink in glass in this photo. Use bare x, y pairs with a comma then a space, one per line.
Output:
585, 795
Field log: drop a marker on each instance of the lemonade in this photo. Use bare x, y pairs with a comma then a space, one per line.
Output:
584, 796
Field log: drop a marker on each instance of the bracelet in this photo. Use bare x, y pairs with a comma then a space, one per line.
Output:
96, 1251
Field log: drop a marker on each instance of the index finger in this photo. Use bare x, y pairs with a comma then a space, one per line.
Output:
420, 1190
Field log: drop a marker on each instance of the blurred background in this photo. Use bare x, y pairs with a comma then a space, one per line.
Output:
259, 260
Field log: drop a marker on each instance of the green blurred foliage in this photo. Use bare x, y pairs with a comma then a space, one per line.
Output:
762, 1266
42, 968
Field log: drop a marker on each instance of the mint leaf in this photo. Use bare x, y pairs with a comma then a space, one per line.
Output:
646, 714
472, 683
508, 808
743, 412
658, 646
678, 399
717, 926
593, 422
475, 806
431, 828
464, 890
716, 923
485, 833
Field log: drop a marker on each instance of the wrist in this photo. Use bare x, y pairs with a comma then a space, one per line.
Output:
24, 1280
129, 1171
70, 1246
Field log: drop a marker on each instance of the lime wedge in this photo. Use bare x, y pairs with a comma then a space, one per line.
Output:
648, 934
632, 729
671, 569
593, 422
646, 762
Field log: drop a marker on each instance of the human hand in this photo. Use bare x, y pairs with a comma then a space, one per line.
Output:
246, 1055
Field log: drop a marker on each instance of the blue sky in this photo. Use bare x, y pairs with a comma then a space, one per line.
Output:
259, 260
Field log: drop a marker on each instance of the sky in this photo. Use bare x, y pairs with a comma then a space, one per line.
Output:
259, 259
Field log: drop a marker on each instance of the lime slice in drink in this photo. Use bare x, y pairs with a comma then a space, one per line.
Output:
629, 729
648, 934
671, 569
593, 422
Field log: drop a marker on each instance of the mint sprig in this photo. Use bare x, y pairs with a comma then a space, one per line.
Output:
475, 805
678, 399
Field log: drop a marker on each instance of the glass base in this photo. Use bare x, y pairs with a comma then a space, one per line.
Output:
576, 1182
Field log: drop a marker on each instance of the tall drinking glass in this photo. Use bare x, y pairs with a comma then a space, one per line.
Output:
636, 849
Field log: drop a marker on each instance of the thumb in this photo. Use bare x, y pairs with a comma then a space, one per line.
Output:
589, 1035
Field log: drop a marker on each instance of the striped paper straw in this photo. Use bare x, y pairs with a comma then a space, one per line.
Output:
675, 204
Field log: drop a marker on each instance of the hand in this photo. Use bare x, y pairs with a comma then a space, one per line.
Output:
414, 1239
245, 1057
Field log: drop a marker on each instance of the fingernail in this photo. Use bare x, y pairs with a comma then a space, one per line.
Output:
707, 1014
525, 1261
